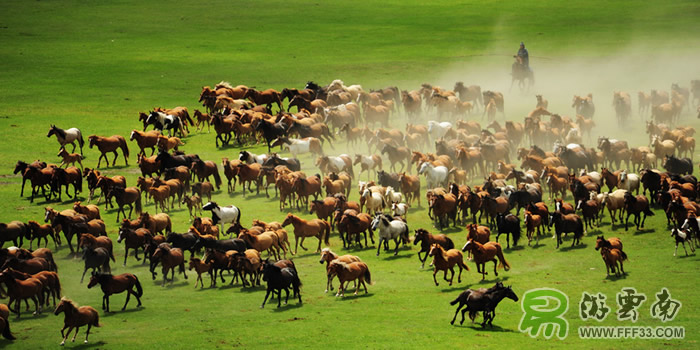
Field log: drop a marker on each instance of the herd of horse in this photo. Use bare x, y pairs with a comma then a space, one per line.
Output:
463, 149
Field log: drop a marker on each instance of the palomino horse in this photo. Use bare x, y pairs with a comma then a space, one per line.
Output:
67, 136
115, 285
349, 272
75, 317
484, 253
447, 259
426, 240
318, 228
110, 144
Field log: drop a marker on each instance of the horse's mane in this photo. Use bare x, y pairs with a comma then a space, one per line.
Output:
71, 302
224, 84
60, 132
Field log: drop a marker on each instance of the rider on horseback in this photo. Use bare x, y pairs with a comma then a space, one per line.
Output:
524, 56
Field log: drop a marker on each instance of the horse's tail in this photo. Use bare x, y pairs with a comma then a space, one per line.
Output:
124, 147
139, 208
52, 263
217, 178
96, 321
327, 236
81, 142
187, 117
368, 276
462, 297
502, 259
139, 290
623, 255
238, 217
6, 331
79, 183
462, 264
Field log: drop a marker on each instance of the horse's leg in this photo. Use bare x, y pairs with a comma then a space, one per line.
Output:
435, 270
495, 264
77, 328
456, 312
396, 250
464, 311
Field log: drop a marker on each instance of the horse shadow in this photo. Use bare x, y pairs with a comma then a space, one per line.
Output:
614, 277
495, 328
450, 229
643, 231
455, 287
576, 247
399, 256
252, 289
490, 281
81, 345
514, 248
119, 312
289, 306
351, 297
158, 282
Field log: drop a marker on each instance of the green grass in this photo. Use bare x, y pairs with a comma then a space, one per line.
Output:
96, 65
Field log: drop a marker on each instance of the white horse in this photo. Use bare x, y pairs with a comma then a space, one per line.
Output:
392, 196
437, 130
300, 146
374, 202
628, 182
161, 120
399, 209
435, 175
389, 229
67, 136
369, 163
682, 236
230, 214
594, 175
252, 158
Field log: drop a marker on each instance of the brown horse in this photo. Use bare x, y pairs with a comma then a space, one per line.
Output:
133, 239
170, 258
268, 240
410, 187
145, 140
318, 228
200, 267
611, 257
89, 241
18, 290
5, 322
348, 272
39, 231
91, 211
76, 317
49, 280
328, 256
305, 187
110, 144
484, 253
426, 240
267, 97
611, 178
117, 284
532, 222
444, 260
130, 196
158, 223
479, 233
70, 158
160, 197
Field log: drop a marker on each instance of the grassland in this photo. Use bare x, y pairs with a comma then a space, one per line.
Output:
96, 65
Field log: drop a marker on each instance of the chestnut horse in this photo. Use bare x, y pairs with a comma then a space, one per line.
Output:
18, 290
76, 317
348, 272
170, 258
318, 228
426, 240
484, 253
444, 260
110, 144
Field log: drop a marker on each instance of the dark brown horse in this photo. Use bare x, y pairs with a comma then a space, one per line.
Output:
170, 258
117, 284
426, 240
19, 290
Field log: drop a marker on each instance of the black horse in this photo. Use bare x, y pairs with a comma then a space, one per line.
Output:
565, 224
388, 179
320, 91
651, 181
523, 197
508, 224
271, 131
168, 160
274, 160
678, 165
482, 299
184, 241
222, 245
277, 279
575, 159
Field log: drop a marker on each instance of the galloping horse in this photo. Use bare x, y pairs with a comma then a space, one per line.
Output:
426, 240
486, 252
279, 278
230, 214
67, 136
348, 272
110, 144
115, 285
447, 259
76, 317
393, 229
318, 228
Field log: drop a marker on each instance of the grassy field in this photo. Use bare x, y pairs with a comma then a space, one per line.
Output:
96, 65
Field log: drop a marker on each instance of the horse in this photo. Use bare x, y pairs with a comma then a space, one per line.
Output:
67, 136
318, 228
678, 165
446, 259
89, 241
565, 223
133, 239
279, 278
590, 209
124, 197
435, 175
145, 140
39, 231
170, 258
389, 229
18, 290
200, 267
95, 259
229, 214
203, 169
349, 271
268, 240
162, 120
521, 73
487, 302
682, 236
426, 240
615, 201
611, 257
532, 222
508, 224
473, 299
484, 253
75, 317
523, 197
328, 256
628, 182
13, 231
110, 144
636, 206
117, 284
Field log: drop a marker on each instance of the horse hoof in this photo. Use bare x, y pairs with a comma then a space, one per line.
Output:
85, 341
63, 343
